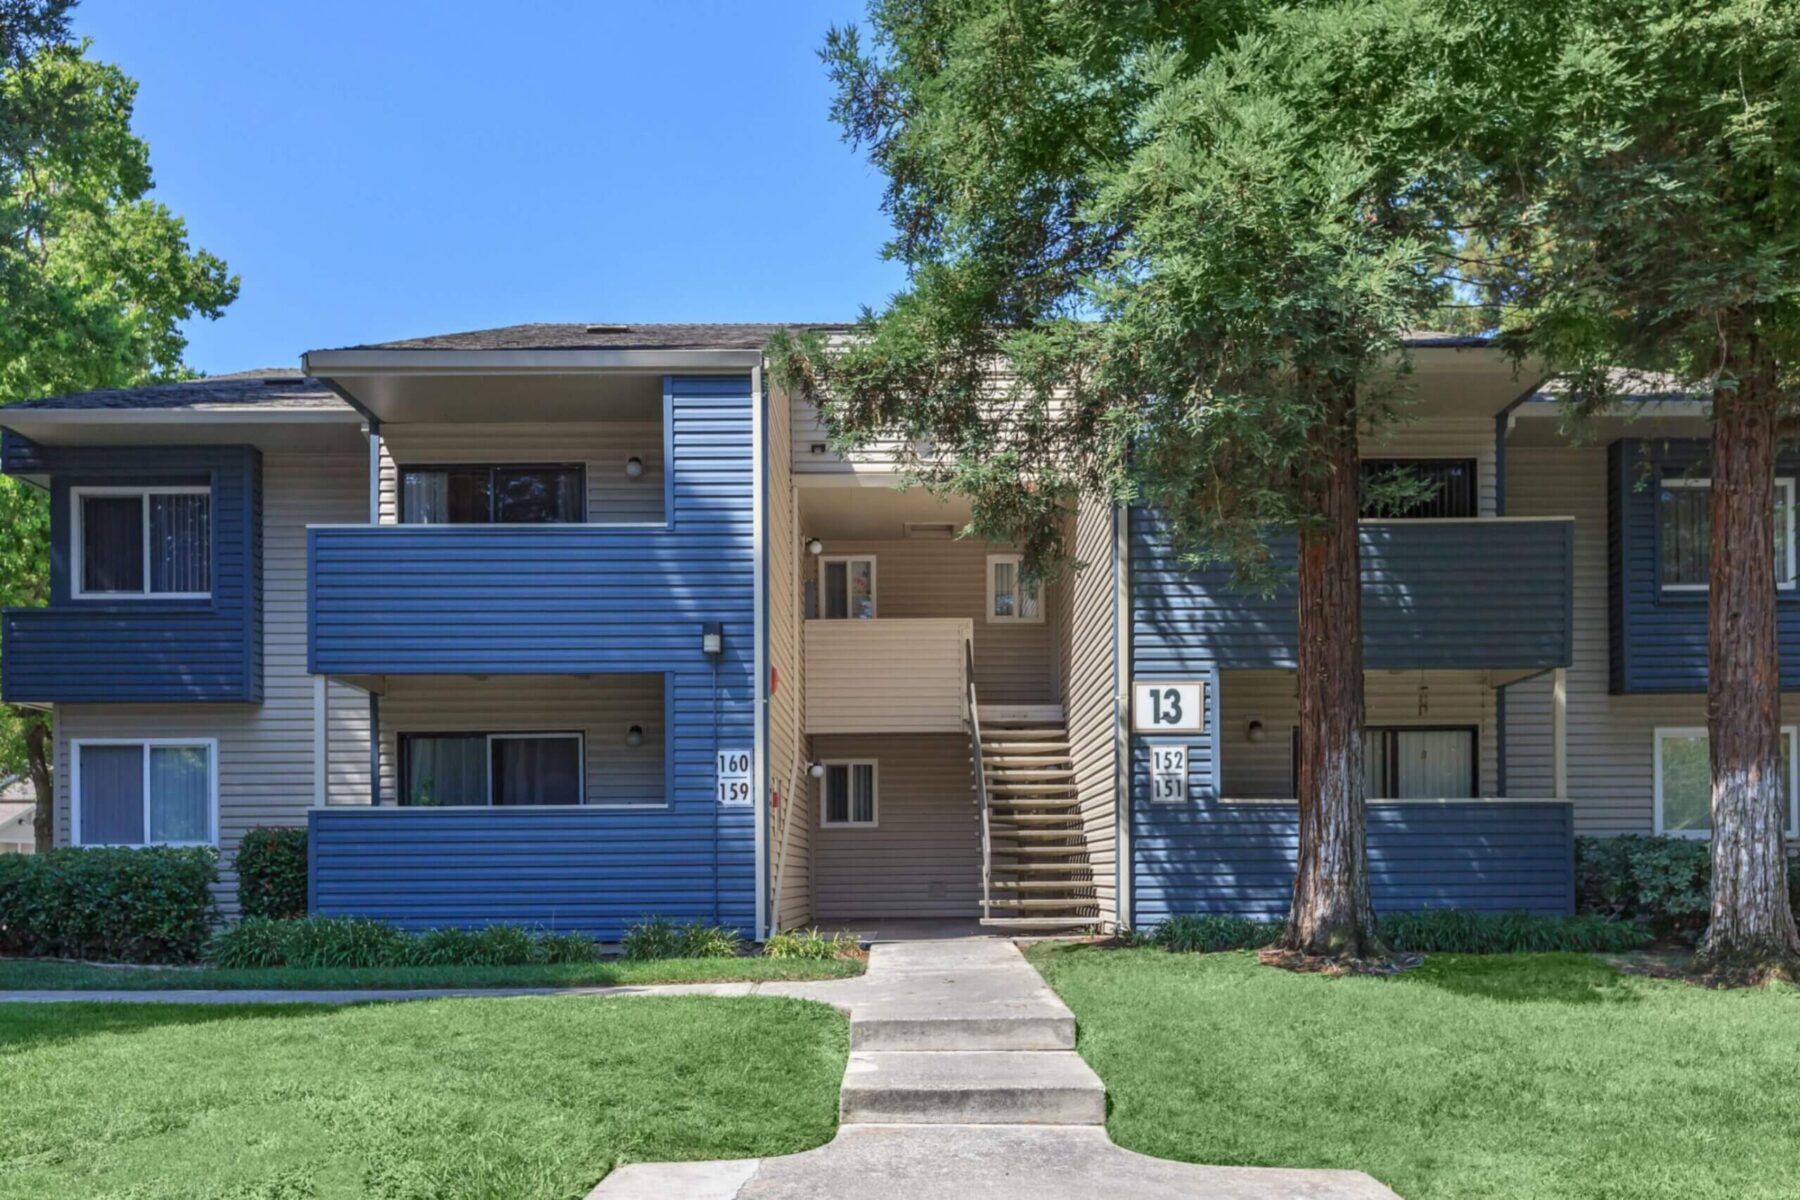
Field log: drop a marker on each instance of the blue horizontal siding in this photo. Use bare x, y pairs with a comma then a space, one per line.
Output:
1436, 595
142, 651
1239, 859
410, 600
593, 870
1658, 639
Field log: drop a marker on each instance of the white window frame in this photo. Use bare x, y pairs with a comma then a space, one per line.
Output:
1784, 484
874, 583
874, 821
1789, 733
211, 745
580, 739
78, 556
1018, 565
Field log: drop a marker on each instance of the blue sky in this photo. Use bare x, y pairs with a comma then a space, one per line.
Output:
391, 168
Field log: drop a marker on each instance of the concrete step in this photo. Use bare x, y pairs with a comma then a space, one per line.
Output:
971, 1087
1070, 922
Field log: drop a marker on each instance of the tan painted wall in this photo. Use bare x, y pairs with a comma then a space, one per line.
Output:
1089, 684
892, 675
600, 707
265, 751
1264, 770
791, 826
1015, 662
603, 446
923, 858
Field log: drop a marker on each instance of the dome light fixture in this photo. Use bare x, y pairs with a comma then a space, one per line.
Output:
634, 467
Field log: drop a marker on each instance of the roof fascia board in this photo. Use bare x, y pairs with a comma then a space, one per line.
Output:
23, 420
328, 363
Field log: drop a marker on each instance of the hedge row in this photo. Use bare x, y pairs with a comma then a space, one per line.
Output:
1438, 931
341, 942
146, 905
1662, 883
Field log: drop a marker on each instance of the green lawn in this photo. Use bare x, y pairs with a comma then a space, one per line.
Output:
527, 1097
21, 974
1526, 1077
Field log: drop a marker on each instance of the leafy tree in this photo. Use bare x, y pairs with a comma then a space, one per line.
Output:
1193, 237
1662, 202
95, 279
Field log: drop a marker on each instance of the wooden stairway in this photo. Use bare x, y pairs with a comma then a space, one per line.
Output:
1037, 873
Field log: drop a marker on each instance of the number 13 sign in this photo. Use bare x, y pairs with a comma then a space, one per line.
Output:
1168, 707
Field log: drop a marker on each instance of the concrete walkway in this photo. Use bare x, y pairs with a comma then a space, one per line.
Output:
963, 1082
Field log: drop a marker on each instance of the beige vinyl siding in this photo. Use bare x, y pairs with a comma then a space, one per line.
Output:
811, 447
600, 707
1611, 747
923, 857
1015, 661
891, 675
1264, 770
601, 446
266, 750
1089, 684
791, 823
1442, 437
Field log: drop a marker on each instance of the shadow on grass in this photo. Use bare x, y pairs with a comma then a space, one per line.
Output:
1524, 978
33, 1026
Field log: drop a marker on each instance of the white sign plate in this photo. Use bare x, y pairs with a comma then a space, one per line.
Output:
734, 777
1167, 706
1168, 774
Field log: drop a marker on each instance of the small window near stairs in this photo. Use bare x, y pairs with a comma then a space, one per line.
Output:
1010, 596
850, 789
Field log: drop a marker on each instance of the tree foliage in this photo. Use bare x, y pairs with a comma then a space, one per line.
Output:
96, 278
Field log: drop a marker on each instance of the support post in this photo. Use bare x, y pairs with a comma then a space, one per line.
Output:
321, 736
1559, 731
374, 471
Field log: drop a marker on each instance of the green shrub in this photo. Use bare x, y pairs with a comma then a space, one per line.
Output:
1462, 931
117, 904
809, 943
1206, 933
351, 942
271, 871
659, 937
1662, 882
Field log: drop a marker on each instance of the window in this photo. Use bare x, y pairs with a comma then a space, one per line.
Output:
147, 792
848, 588
493, 495
142, 542
849, 794
1411, 762
1684, 782
460, 770
1010, 596
1451, 482
1684, 533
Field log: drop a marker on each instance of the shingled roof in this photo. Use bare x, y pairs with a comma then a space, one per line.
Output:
264, 388
600, 337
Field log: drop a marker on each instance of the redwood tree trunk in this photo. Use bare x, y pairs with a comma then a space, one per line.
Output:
1331, 913
37, 758
1752, 924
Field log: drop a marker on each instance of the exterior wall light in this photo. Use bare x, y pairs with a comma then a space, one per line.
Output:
816, 770
634, 467
1254, 732
634, 736
712, 638
815, 547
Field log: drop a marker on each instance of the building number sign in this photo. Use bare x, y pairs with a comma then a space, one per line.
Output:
734, 777
1164, 706
1168, 774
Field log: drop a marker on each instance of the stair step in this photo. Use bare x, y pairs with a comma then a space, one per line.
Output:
1035, 820
1037, 922
1008, 762
1035, 802
1043, 885
1085, 903
1040, 868
971, 1087
1045, 789
1037, 852
1031, 774
1014, 834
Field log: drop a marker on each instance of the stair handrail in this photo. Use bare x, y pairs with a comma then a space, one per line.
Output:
981, 793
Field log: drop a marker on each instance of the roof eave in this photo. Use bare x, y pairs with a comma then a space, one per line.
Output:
338, 363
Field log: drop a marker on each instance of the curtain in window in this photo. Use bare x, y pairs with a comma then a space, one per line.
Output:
1435, 764
180, 543
180, 794
1378, 783
112, 543
537, 770
1686, 534
446, 771
1028, 601
1006, 582
850, 588
862, 793
112, 795
850, 793
425, 497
